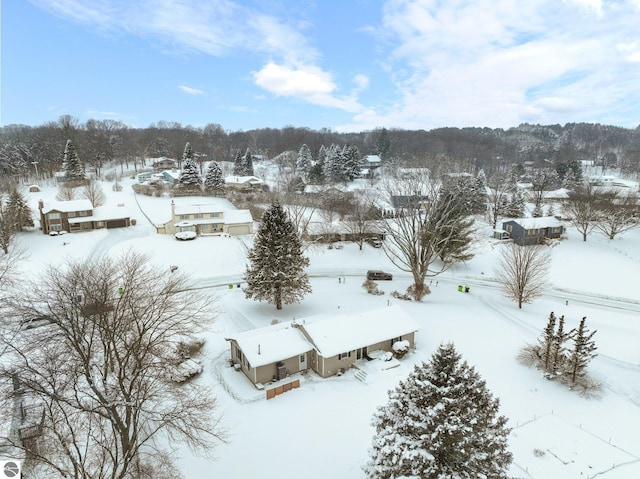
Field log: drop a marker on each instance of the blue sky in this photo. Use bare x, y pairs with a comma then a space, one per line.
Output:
347, 65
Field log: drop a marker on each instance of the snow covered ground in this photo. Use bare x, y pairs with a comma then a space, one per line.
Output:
322, 429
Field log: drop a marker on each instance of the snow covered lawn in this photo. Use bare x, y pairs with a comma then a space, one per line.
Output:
322, 429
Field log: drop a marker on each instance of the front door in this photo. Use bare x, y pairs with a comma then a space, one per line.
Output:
303, 362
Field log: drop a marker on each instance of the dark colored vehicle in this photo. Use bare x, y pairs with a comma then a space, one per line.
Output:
375, 242
376, 274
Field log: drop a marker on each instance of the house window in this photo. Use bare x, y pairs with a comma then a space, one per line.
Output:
344, 355
55, 227
72, 214
509, 228
395, 340
198, 216
239, 354
303, 358
184, 217
533, 232
54, 216
557, 229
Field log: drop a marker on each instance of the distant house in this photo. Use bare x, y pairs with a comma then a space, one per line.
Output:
207, 219
161, 164
142, 177
328, 345
402, 202
80, 215
171, 176
532, 231
243, 182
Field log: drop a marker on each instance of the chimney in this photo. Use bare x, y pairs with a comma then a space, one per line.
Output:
40, 205
173, 209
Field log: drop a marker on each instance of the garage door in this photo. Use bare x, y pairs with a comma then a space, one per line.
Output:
238, 230
116, 223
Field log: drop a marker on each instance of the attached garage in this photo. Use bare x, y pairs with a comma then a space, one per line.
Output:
120, 223
238, 229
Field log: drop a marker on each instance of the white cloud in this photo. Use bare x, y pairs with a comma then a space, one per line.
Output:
499, 63
305, 82
190, 90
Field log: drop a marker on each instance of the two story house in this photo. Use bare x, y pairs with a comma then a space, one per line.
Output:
80, 215
207, 219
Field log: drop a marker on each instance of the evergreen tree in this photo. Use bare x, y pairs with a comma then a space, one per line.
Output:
316, 175
7, 226
583, 352
187, 153
247, 164
515, 207
383, 145
71, 164
213, 180
352, 162
545, 343
304, 161
441, 422
537, 211
189, 175
558, 352
19, 209
334, 166
238, 164
453, 230
277, 271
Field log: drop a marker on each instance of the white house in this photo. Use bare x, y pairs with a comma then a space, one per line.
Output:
207, 219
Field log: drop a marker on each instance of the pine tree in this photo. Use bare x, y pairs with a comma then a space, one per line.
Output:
383, 145
515, 208
304, 161
537, 211
583, 352
558, 352
334, 167
189, 175
187, 154
352, 162
545, 343
71, 164
441, 422
213, 180
247, 164
7, 226
238, 164
277, 271
19, 209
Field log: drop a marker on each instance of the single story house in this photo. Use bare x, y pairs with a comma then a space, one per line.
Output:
80, 215
243, 182
270, 353
207, 219
326, 344
533, 231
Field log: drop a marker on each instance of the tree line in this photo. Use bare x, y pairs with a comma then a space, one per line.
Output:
38, 150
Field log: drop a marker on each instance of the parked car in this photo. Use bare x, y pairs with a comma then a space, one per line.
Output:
35, 322
185, 235
376, 274
375, 242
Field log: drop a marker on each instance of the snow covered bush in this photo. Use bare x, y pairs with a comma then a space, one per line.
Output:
441, 421
400, 348
404, 297
372, 287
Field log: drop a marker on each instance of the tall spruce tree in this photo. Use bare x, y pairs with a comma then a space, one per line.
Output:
189, 175
584, 350
545, 343
304, 161
71, 164
352, 162
247, 163
238, 164
441, 422
213, 180
277, 271
558, 351
19, 209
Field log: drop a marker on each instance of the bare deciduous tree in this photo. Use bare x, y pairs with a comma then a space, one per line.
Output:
500, 185
618, 212
94, 193
423, 231
65, 193
99, 370
581, 206
522, 271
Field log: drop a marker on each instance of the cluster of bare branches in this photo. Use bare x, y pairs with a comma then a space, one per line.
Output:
97, 369
522, 271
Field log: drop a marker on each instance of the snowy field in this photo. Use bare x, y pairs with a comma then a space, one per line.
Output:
322, 429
